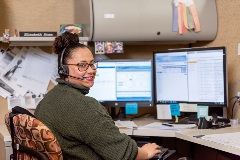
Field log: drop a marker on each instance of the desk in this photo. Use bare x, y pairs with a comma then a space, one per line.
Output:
154, 132
186, 135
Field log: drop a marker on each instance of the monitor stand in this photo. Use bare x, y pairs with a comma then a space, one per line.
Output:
193, 119
121, 115
187, 118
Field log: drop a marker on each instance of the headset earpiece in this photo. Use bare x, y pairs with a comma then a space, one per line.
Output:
63, 69
60, 70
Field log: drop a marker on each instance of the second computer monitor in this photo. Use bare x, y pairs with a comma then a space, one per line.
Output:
194, 75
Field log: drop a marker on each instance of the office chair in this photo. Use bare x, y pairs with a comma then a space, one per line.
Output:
31, 139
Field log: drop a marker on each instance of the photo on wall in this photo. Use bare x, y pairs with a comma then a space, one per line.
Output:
118, 47
108, 47
72, 28
99, 48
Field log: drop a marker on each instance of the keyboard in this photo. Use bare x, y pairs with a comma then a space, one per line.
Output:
160, 156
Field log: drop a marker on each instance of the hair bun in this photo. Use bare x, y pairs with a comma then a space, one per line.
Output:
63, 40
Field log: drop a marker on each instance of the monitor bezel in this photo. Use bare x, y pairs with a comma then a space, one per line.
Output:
117, 103
210, 104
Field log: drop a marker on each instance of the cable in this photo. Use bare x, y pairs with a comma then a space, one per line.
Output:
234, 106
232, 98
237, 98
183, 119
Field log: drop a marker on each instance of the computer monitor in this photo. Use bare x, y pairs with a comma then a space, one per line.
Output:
194, 75
123, 81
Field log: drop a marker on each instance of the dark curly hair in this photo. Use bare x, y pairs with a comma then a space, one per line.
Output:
67, 42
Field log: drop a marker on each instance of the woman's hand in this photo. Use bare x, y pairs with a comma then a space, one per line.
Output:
147, 151
152, 149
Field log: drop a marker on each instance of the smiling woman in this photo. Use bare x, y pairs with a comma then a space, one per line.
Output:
80, 122
74, 60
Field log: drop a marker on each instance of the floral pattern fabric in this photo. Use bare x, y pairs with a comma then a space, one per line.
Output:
33, 133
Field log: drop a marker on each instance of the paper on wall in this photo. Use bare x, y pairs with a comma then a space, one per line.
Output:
12, 72
163, 111
37, 71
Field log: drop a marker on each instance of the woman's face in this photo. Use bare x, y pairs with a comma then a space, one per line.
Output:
81, 56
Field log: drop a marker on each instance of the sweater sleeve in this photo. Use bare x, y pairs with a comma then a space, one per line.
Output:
101, 134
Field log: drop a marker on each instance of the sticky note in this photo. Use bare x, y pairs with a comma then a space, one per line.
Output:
163, 111
202, 111
184, 107
175, 109
131, 108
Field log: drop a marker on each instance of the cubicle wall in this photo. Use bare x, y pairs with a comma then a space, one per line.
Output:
46, 15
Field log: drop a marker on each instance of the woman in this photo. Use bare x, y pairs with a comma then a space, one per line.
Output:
80, 123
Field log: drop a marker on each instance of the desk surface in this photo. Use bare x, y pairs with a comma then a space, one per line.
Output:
149, 132
186, 134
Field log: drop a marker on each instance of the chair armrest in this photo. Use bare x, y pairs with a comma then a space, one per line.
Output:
31, 151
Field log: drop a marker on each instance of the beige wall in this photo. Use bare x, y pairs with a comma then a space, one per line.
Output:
46, 15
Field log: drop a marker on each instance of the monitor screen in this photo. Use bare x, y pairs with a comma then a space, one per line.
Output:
119, 82
194, 75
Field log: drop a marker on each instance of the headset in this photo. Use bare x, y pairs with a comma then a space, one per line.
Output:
63, 69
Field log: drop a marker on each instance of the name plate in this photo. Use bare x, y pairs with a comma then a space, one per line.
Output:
37, 34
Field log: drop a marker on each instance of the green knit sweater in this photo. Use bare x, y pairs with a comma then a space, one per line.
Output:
82, 125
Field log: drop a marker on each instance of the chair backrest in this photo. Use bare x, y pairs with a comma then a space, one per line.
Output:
31, 133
